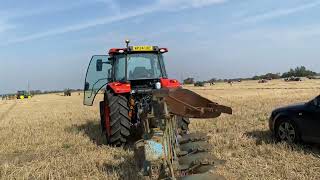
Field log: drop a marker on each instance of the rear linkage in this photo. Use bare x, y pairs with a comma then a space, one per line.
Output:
164, 153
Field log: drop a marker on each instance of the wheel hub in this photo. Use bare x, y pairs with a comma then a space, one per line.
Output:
287, 132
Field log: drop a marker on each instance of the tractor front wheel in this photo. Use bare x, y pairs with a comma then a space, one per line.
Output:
116, 120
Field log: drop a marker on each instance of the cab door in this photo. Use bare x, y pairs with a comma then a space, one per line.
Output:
98, 74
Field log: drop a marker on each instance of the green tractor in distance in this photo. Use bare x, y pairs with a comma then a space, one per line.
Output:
67, 92
23, 95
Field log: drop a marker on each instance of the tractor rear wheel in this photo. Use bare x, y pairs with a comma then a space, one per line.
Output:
183, 124
119, 127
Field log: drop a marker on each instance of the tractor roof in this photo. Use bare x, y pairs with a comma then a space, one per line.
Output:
137, 49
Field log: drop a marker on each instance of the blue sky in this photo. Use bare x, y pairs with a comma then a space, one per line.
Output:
49, 43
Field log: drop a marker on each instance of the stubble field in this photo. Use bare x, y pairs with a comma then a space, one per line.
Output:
56, 137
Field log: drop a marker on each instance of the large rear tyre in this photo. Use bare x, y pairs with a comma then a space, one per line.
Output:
118, 128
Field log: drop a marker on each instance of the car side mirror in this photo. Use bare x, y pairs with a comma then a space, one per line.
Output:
99, 65
86, 86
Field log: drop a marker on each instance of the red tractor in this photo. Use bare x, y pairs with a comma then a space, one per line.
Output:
129, 74
141, 101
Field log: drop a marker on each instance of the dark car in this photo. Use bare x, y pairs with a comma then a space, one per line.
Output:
299, 122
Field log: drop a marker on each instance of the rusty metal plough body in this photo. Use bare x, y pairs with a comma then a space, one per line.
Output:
163, 153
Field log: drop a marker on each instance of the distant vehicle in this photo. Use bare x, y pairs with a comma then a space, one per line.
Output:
262, 81
300, 122
23, 95
313, 77
230, 82
293, 79
67, 92
199, 84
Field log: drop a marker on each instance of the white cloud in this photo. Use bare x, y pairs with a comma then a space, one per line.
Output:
280, 35
36, 11
278, 13
112, 5
161, 5
5, 26
184, 4
7, 16
89, 24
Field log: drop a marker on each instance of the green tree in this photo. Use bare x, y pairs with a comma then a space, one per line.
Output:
299, 72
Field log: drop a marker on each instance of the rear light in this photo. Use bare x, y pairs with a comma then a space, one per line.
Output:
173, 81
116, 50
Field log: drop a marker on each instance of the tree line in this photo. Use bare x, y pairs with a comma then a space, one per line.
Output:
34, 92
37, 92
301, 71
297, 72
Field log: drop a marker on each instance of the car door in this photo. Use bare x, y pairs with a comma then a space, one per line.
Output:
97, 77
311, 120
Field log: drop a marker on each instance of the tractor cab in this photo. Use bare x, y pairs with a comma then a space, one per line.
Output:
127, 70
23, 95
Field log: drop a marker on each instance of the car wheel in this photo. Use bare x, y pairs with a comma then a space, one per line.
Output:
287, 131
